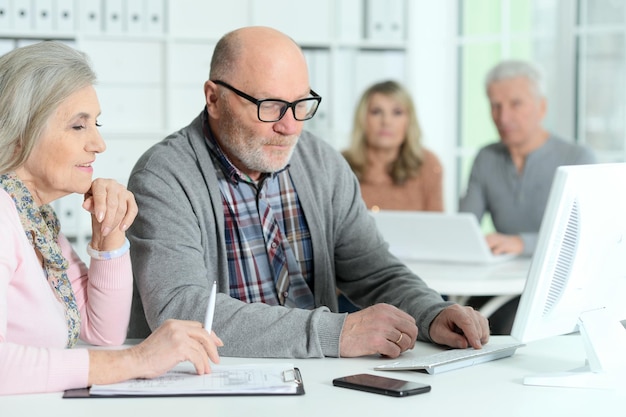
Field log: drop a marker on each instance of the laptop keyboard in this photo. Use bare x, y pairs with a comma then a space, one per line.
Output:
448, 360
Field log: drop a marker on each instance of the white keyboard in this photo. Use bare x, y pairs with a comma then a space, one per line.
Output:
448, 360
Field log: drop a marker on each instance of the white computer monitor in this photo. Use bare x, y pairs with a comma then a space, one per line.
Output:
576, 281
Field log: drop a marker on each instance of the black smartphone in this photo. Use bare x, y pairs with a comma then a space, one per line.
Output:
381, 385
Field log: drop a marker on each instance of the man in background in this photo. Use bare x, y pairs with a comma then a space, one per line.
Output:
511, 178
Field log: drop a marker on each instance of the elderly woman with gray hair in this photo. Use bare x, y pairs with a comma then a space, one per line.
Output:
49, 299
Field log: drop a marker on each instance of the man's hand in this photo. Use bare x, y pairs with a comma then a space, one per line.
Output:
381, 328
500, 243
460, 327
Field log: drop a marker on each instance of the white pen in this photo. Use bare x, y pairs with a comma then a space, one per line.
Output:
210, 310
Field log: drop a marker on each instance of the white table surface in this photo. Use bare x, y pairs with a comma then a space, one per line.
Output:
502, 278
489, 389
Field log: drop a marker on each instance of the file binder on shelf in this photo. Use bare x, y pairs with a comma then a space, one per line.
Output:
43, 16
6, 15
114, 17
90, 16
350, 27
22, 19
154, 16
384, 20
135, 16
64, 16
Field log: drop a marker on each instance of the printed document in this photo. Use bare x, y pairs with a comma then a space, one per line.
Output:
223, 380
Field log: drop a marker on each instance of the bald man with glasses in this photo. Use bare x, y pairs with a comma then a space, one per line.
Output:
245, 197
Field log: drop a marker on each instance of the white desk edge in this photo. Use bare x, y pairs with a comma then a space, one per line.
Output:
489, 389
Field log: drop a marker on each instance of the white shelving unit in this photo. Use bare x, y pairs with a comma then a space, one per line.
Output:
152, 58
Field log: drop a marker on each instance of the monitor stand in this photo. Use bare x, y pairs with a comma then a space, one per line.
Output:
604, 339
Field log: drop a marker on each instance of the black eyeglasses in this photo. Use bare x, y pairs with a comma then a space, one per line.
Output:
273, 109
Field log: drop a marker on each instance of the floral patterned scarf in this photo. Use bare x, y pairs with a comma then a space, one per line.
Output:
42, 229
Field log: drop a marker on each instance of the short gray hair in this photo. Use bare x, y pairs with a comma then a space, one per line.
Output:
34, 80
508, 69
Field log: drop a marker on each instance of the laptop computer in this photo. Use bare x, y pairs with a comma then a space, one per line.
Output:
437, 237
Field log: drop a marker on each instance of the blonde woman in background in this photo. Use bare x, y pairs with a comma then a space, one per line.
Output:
394, 169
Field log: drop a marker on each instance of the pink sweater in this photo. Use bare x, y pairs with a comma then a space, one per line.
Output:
33, 329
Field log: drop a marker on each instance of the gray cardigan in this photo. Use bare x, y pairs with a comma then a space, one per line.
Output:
177, 249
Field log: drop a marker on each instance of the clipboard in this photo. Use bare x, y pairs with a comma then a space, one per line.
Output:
237, 380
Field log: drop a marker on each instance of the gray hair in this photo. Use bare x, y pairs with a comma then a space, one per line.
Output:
506, 70
34, 80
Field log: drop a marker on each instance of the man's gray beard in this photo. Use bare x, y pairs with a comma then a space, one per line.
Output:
254, 159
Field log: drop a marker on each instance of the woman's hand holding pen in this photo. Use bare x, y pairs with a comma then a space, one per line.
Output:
173, 342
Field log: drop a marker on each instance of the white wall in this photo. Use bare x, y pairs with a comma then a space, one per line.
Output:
432, 81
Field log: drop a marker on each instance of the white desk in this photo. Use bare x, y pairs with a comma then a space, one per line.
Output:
503, 280
490, 389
